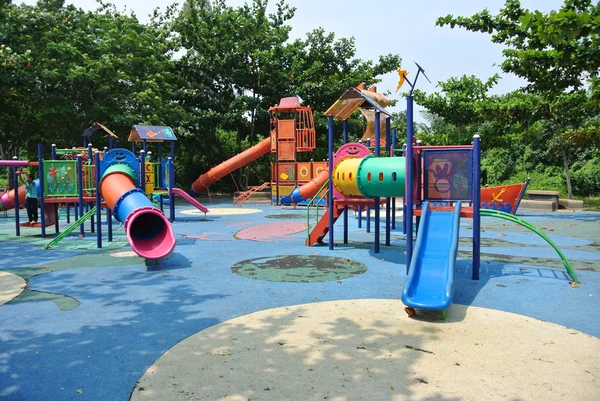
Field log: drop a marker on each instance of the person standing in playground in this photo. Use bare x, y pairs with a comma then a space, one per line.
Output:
31, 201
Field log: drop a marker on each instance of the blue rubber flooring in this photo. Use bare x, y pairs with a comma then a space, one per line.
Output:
129, 315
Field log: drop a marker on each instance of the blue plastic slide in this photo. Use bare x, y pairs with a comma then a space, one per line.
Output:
430, 281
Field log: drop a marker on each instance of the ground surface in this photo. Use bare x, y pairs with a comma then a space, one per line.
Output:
245, 311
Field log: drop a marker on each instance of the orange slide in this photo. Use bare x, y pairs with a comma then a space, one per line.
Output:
228, 166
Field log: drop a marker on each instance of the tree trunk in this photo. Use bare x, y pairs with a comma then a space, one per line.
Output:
567, 173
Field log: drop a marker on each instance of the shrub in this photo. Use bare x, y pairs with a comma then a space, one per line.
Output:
498, 165
586, 180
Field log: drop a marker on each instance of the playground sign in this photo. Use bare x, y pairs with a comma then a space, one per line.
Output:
448, 174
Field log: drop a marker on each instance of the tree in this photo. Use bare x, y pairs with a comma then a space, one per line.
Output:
556, 53
69, 68
236, 62
458, 102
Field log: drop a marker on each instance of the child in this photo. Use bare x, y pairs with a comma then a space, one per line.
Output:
31, 200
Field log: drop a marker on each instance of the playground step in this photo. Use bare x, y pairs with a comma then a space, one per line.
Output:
546, 205
570, 203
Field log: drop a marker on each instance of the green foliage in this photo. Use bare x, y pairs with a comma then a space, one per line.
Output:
208, 70
550, 179
458, 103
236, 62
557, 54
554, 52
498, 165
586, 178
67, 68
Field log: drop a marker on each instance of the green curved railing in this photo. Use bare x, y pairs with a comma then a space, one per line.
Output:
515, 219
316, 203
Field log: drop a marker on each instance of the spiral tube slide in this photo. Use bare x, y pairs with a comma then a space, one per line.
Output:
228, 166
149, 232
306, 191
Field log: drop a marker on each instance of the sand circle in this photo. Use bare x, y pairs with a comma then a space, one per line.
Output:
371, 350
222, 211
11, 286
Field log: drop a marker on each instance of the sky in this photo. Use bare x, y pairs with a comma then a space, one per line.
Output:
406, 28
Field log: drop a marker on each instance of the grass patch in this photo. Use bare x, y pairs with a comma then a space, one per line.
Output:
592, 203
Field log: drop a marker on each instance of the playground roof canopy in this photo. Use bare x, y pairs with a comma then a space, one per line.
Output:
151, 133
95, 128
288, 105
354, 98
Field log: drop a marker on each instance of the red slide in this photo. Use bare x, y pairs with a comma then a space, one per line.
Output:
228, 166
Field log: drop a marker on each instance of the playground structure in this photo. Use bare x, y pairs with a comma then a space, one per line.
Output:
292, 131
439, 185
115, 180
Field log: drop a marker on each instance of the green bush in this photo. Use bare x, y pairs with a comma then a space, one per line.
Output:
586, 179
550, 180
498, 165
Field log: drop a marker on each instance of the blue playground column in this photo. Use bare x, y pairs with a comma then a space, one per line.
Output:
16, 201
41, 181
408, 195
98, 201
330, 185
80, 192
388, 204
171, 184
377, 199
392, 154
476, 206
142, 177
345, 136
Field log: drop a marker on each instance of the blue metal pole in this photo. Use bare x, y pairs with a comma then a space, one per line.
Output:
330, 185
144, 145
16, 200
68, 212
160, 170
392, 153
368, 208
171, 195
90, 152
377, 199
133, 149
404, 198
41, 181
408, 194
80, 191
476, 206
110, 142
172, 150
388, 203
53, 150
98, 202
109, 224
92, 217
360, 217
345, 137
84, 141
142, 180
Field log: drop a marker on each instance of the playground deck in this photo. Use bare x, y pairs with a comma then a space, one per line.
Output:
242, 310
